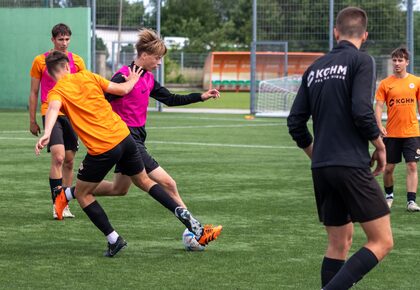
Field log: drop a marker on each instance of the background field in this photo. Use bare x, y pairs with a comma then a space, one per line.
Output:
245, 175
228, 100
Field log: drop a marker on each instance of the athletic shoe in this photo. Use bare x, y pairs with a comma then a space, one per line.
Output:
412, 206
210, 233
389, 201
67, 213
113, 249
54, 213
60, 203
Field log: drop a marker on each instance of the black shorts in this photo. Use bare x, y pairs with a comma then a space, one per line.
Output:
63, 134
125, 155
347, 194
395, 147
149, 162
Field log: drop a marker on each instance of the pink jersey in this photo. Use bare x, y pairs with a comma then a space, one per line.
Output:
132, 108
47, 82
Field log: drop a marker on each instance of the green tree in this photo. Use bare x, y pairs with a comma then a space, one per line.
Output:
209, 24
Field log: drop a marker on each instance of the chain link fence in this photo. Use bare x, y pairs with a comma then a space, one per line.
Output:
305, 25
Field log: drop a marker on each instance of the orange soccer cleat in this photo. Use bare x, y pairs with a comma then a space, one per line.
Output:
210, 233
60, 202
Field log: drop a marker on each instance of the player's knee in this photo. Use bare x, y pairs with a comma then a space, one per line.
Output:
120, 191
341, 245
388, 244
58, 160
69, 163
170, 185
345, 245
412, 167
389, 170
142, 181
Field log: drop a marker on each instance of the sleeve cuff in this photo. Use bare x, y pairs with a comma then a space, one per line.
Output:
304, 142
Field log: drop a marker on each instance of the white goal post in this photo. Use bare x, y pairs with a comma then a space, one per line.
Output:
275, 97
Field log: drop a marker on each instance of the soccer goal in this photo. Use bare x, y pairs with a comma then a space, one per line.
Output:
275, 96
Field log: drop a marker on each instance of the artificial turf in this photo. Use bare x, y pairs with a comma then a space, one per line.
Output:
244, 174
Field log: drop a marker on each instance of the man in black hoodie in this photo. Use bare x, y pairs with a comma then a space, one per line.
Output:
337, 91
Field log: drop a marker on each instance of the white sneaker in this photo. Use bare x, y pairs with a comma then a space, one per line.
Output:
389, 201
54, 213
412, 206
67, 213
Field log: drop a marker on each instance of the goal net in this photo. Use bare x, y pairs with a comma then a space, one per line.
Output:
275, 96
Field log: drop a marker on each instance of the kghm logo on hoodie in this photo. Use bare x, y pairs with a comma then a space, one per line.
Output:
332, 72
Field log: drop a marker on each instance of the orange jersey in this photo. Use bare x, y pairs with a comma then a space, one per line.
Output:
39, 71
82, 100
400, 96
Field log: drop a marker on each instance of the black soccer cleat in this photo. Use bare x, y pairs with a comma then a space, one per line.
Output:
113, 249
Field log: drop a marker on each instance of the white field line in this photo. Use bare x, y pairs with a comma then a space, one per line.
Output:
179, 127
212, 126
207, 118
251, 146
222, 145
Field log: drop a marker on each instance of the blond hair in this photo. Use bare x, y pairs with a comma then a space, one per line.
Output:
150, 43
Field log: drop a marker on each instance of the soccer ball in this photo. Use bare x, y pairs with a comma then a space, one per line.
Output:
190, 243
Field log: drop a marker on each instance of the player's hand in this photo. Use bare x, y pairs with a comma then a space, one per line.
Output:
383, 131
42, 142
308, 150
34, 128
210, 94
133, 74
380, 157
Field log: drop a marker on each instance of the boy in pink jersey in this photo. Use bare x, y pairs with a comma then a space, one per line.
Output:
132, 108
64, 142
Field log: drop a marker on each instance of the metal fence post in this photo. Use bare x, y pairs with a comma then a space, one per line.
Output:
159, 68
410, 34
253, 57
93, 43
182, 62
331, 25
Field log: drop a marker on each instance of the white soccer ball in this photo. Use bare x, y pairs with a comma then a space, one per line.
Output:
190, 242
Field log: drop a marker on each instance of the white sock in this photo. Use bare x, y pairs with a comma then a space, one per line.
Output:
69, 196
112, 237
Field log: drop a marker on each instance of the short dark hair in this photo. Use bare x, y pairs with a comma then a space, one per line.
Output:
400, 52
60, 29
54, 60
351, 22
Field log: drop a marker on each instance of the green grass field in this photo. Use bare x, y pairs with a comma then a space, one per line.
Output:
246, 175
228, 100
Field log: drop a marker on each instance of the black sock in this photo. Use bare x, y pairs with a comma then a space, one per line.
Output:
98, 216
389, 189
353, 270
329, 268
411, 196
55, 184
157, 192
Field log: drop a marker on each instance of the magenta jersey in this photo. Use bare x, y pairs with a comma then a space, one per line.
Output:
47, 82
132, 108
